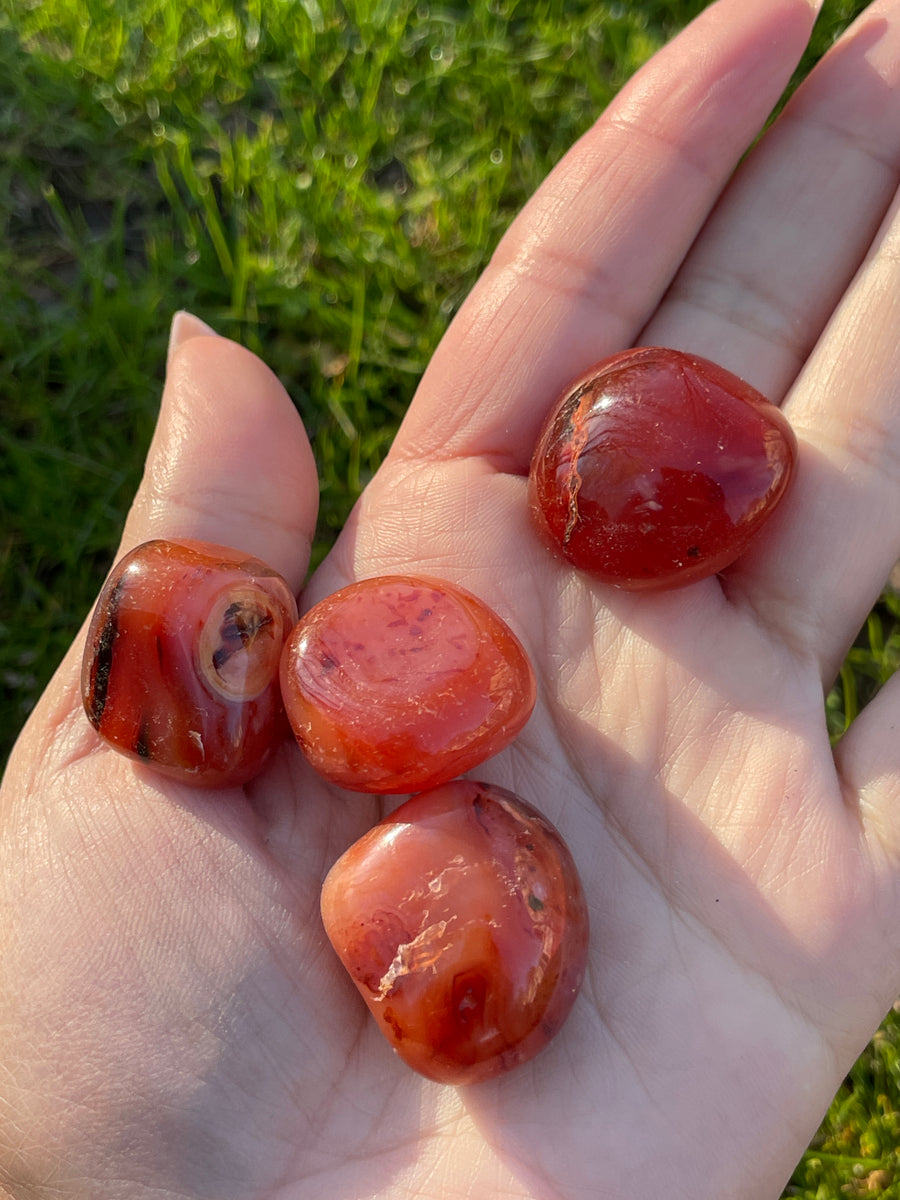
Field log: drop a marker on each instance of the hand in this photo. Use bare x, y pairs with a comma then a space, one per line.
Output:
174, 1023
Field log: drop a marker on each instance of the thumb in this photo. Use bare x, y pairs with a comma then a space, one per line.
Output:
230, 461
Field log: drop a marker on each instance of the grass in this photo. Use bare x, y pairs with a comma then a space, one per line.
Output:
324, 182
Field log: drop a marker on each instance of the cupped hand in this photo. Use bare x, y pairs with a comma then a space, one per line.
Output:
172, 1019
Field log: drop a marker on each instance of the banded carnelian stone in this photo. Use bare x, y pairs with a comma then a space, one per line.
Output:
181, 664
399, 683
658, 468
461, 920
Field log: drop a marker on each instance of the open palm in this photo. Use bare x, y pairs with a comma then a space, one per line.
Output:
173, 1020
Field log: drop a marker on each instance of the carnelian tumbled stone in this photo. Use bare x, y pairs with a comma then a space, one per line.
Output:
181, 664
657, 468
461, 920
399, 683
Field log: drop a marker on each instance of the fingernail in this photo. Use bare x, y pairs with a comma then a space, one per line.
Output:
184, 327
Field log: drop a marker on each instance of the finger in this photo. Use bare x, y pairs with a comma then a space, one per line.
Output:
230, 461
586, 263
828, 553
868, 760
778, 252
756, 292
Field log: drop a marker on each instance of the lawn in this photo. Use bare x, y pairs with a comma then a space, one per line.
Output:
323, 182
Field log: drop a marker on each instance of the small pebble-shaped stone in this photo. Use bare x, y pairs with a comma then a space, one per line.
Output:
399, 683
658, 468
181, 664
461, 920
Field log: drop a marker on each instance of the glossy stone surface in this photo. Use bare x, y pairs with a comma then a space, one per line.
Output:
658, 468
399, 683
461, 920
181, 663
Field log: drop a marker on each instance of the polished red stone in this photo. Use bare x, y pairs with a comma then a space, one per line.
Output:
461, 920
658, 468
399, 683
181, 664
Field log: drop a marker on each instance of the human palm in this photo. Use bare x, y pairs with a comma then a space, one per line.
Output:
176, 1023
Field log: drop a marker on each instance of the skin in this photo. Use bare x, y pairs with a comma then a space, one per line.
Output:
173, 1022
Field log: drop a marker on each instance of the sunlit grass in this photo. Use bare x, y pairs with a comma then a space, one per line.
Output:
324, 182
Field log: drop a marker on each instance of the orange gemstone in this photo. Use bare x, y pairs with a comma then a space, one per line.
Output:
461, 920
181, 663
658, 468
399, 683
